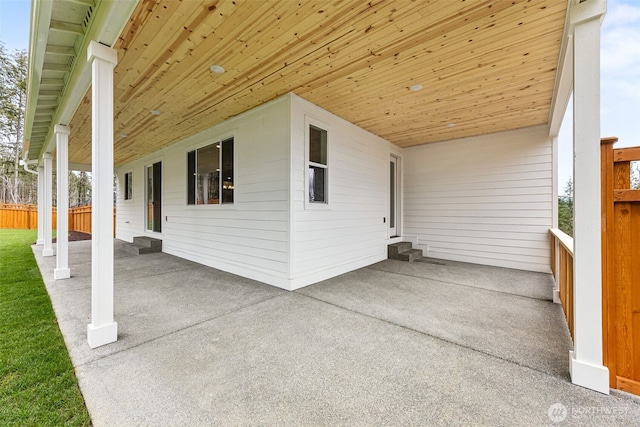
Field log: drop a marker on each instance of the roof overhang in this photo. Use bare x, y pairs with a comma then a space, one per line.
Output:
59, 74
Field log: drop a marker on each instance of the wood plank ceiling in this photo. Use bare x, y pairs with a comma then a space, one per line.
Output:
485, 66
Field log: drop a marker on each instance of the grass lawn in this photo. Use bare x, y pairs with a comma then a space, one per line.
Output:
38, 386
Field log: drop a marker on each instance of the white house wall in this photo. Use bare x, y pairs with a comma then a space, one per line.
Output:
349, 232
249, 237
485, 199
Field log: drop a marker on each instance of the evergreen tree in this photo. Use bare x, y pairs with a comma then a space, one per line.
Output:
565, 209
17, 186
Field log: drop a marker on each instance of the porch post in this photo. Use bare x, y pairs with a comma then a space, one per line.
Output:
554, 208
586, 365
62, 270
47, 207
102, 329
40, 240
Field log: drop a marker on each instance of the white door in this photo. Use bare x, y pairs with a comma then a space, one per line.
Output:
394, 196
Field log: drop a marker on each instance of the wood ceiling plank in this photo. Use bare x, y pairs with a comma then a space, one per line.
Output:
481, 52
270, 48
496, 74
304, 24
324, 87
408, 139
491, 106
470, 93
495, 120
180, 76
161, 25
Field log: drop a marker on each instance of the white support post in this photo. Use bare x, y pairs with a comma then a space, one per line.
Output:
62, 270
40, 240
102, 329
554, 208
47, 207
586, 363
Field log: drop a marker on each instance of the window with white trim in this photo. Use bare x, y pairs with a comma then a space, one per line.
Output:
210, 174
317, 165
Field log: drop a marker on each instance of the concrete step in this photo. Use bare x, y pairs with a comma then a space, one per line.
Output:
149, 242
143, 245
138, 249
395, 248
410, 255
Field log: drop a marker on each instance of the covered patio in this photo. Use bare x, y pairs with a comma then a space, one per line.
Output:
432, 342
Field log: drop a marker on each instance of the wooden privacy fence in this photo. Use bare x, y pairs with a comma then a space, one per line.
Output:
620, 267
26, 216
80, 219
21, 216
562, 269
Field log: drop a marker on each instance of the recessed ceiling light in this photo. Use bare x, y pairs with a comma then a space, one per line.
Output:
450, 125
415, 88
124, 134
218, 69
155, 112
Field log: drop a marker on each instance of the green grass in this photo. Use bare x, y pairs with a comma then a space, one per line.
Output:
38, 386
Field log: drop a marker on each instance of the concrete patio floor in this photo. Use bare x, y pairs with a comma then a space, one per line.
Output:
427, 343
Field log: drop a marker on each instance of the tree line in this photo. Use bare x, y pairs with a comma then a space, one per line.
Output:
18, 186
565, 201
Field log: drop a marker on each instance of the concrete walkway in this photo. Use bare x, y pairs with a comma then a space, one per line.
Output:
427, 343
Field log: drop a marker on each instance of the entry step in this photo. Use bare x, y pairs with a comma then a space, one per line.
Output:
143, 245
403, 251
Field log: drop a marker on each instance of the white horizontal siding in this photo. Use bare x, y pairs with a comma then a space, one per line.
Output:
485, 199
349, 233
249, 237
129, 213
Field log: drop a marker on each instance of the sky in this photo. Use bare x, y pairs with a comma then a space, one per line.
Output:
619, 67
619, 84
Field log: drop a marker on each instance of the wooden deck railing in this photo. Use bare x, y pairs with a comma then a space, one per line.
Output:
26, 216
562, 269
620, 267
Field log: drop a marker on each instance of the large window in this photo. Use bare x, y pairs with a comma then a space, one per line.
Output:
210, 174
318, 171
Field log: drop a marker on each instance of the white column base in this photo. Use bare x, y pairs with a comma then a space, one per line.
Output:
594, 377
101, 335
556, 296
61, 273
40, 242
47, 252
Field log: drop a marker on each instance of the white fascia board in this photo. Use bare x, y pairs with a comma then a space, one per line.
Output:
588, 10
38, 36
109, 20
576, 12
564, 77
